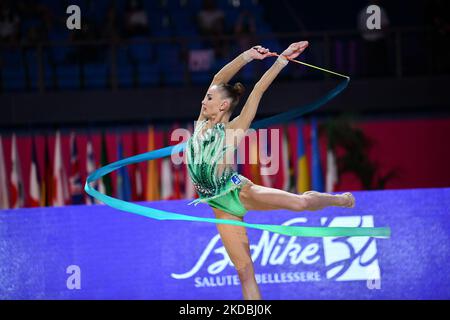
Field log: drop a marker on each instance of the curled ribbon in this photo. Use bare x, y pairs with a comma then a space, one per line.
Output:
290, 230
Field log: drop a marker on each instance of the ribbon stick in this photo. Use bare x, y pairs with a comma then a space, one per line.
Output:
316, 67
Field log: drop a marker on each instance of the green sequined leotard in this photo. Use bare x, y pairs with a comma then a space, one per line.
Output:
219, 186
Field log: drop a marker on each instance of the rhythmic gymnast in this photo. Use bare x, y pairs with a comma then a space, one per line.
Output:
228, 193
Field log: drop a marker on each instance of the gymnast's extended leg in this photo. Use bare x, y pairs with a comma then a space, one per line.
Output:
236, 243
256, 197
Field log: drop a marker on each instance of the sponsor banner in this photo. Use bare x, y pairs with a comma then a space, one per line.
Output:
95, 252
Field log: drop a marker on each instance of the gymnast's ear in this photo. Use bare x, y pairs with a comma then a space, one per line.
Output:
225, 105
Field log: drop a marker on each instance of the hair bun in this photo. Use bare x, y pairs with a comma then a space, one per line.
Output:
238, 89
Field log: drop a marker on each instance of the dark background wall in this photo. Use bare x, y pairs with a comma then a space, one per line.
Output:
424, 96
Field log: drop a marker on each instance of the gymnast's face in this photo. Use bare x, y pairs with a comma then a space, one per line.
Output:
214, 104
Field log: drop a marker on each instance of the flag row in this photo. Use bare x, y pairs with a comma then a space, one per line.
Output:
51, 169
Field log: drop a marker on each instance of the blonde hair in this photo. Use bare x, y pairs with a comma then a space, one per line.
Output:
233, 92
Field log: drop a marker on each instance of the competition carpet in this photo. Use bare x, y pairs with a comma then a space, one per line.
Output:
95, 252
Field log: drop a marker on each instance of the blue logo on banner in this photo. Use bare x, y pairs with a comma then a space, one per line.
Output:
235, 179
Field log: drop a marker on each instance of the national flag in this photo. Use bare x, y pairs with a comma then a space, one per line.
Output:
285, 161
90, 167
281, 179
167, 189
176, 169
106, 179
17, 191
292, 134
317, 176
123, 179
153, 177
35, 180
76, 187
189, 190
4, 192
303, 178
176, 172
332, 172
254, 163
243, 156
137, 188
264, 147
60, 188
47, 185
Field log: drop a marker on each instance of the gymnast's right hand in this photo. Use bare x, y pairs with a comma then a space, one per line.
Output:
295, 49
259, 53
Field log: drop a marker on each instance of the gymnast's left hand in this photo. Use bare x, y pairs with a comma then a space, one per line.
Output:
259, 53
295, 49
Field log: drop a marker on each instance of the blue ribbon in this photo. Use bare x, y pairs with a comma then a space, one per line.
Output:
166, 215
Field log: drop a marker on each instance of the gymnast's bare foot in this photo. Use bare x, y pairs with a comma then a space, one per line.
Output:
345, 200
349, 200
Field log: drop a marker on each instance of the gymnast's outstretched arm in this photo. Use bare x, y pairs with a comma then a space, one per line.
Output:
244, 120
229, 70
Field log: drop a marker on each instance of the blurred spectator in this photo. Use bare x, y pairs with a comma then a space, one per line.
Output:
345, 54
37, 33
201, 60
84, 53
375, 46
136, 19
438, 18
9, 23
111, 30
37, 20
245, 30
211, 22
